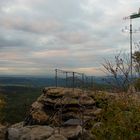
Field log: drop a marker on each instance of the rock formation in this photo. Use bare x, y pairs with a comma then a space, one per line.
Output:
56, 106
58, 114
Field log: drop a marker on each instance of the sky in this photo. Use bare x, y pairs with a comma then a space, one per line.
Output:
38, 36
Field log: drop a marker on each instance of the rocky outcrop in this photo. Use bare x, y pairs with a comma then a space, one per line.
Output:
38, 132
58, 114
60, 104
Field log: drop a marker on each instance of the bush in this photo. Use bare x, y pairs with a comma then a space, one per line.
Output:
137, 84
120, 119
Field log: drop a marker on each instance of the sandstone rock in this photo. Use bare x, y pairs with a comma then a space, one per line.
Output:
59, 92
55, 107
71, 132
86, 100
34, 132
40, 116
41, 132
71, 114
13, 134
18, 125
72, 122
47, 108
54, 92
16, 131
38, 132
26, 136
37, 105
57, 137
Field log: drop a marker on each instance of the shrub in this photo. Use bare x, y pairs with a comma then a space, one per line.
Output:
137, 84
120, 119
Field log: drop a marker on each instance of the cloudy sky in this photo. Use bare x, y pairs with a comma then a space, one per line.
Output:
37, 36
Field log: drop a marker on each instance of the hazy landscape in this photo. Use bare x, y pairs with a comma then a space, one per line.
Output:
69, 70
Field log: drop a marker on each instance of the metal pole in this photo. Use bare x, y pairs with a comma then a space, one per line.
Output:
83, 82
56, 77
66, 79
73, 80
131, 49
86, 82
91, 81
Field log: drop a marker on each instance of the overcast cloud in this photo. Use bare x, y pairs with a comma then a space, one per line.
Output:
37, 36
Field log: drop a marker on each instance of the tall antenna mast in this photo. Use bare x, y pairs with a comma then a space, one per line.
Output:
132, 16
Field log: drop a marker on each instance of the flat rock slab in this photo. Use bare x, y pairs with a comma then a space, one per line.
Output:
71, 132
30, 132
73, 122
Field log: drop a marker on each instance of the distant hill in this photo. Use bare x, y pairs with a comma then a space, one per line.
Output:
26, 81
37, 81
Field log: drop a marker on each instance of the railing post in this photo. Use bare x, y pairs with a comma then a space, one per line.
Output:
86, 82
66, 78
56, 77
83, 81
92, 81
73, 74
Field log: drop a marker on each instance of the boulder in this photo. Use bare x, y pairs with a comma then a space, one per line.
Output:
38, 132
41, 132
86, 100
35, 132
71, 132
14, 134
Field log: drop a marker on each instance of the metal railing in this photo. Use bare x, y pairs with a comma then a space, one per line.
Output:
72, 79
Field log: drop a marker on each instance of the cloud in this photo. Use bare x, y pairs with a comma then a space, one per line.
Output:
40, 35
50, 53
34, 26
